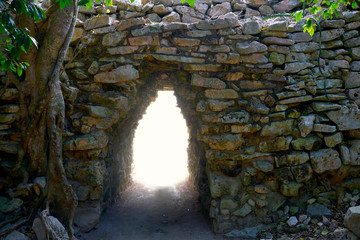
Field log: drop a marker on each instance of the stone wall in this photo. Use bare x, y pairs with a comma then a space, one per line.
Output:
266, 129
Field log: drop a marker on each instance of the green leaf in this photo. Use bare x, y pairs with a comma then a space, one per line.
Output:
191, 2
5, 65
353, 4
108, 2
19, 71
27, 43
298, 16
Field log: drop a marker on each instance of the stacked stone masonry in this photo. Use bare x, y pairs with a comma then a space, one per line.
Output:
266, 129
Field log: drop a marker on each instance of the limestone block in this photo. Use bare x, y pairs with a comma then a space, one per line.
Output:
110, 99
276, 144
99, 139
304, 47
228, 203
306, 124
113, 39
353, 42
243, 211
240, 117
350, 152
328, 35
252, 27
122, 50
188, 11
205, 67
229, 142
355, 53
296, 100
277, 58
219, 23
200, 81
250, 13
290, 189
333, 140
308, 143
263, 165
352, 220
125, 24
324, 160
266, 10
186, 42
147, 30
121, 74
256, 58
292, 159
297, 66
286, 6
219, 9
98, 21
221, 185
347, 118
221, 94
161, 9
325, 106
278, 41
352, 80
214, 49
217, 106
79, 74
275, 129
128, 14
251, 47
339, 64
302, 173
172, 17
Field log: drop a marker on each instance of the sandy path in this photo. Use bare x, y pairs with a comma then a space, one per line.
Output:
170, 213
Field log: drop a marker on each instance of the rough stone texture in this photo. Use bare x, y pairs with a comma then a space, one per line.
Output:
15, 235
324, 160
352, 220
262, 128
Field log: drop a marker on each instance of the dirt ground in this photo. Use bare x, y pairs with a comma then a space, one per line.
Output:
171, 213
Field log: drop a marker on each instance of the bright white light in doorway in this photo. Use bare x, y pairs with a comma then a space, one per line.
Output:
160, 144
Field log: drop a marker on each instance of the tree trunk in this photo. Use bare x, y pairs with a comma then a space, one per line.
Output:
42, 111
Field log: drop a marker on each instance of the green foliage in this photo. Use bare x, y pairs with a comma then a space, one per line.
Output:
15, 40
325, 9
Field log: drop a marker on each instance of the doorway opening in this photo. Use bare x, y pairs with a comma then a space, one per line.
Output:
160, 144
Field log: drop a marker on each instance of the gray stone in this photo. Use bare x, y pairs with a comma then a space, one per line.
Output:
325, 160
98, 21
276, 144
252, 27
306, 124
307, 143
350, 152
352, 220
243, 211
172, 17
99, 139
278, 41
113, 39
297, 66
111, 99
221, 94
217, 106
278, 128
290, 189
292, 221
228, 142
121, 74
219, 9
328, 35
317, 210
219, 23
86, 218
302, 173
251, 47
286, 6
346, 118
333, 140
39, 229
16, 235
352, 80
235, 117
324, 106
221, 185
